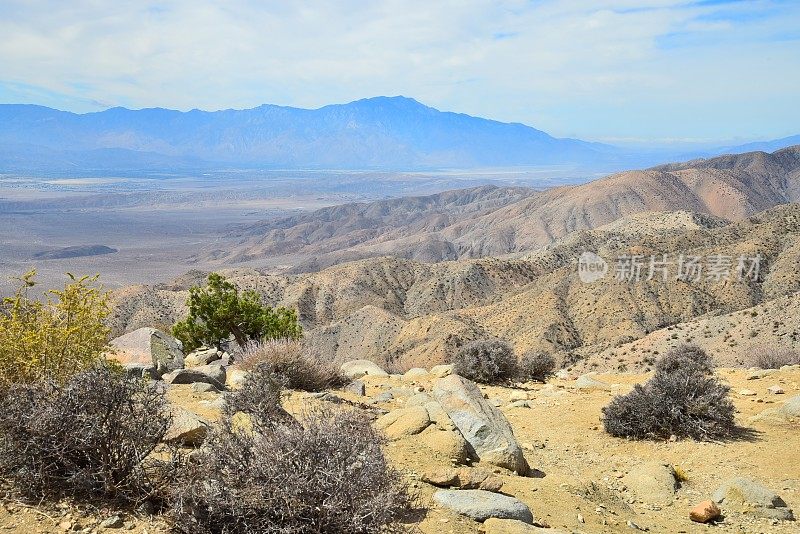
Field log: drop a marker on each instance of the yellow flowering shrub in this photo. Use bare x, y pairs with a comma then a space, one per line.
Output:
54, 337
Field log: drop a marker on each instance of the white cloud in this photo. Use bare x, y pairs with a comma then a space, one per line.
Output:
658, 68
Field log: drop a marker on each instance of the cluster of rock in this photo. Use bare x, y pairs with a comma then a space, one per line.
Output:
150, 353
454, 421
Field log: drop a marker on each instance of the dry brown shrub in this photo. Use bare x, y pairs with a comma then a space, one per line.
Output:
295, 362
325, 472
91, 437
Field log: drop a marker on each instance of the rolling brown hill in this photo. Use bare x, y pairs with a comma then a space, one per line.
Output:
410, 313
490, 221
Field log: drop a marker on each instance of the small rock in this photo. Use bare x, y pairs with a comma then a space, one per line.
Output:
517, 395
759, 373
386, 396
589, 382
201, 356
463, 478
358, 368
775, 390
481, 505
520, 404
202, 387
747, 393
415, 373
216, 404
114, 521
356, 387
441, 371
705, 511
496, 402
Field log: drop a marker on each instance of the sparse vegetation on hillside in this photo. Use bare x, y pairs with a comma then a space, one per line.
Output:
487, 361
324, 473
55, 338
87, 438
219, 311
683, 399
292, 360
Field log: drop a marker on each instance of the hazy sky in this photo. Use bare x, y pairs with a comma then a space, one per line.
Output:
610, 70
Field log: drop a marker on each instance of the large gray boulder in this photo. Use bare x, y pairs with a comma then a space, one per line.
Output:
746, 495
483, 426
148, 346
481, 505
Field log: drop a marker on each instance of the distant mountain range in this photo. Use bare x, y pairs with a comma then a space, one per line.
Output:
394, 133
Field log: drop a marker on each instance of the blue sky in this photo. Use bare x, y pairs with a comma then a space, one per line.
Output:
657, 71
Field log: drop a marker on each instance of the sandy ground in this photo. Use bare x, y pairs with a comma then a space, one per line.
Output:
582, 466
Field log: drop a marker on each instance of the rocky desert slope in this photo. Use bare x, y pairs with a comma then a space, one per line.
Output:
489, 221
580, 479
405, 313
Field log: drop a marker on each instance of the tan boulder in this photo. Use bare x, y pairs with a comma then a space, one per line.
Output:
186, 428
705, 511
450, 445
463, 478
404, 422
653, 482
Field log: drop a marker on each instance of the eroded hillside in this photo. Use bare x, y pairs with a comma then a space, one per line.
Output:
481, 222
410, 313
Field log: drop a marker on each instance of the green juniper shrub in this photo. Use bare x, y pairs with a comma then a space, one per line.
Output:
219, 311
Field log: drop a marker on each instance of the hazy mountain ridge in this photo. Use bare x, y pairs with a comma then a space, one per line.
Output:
490, 222
381, 132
